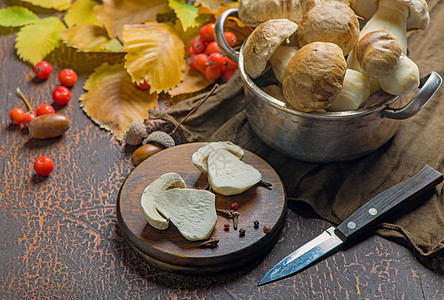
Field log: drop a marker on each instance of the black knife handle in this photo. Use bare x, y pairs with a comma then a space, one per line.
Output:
383, 203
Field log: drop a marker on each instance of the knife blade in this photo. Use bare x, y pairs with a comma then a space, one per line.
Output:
367, 215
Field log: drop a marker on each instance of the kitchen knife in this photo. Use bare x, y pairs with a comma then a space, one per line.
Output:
367, 215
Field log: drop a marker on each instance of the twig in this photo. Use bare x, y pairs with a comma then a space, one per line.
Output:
24, 99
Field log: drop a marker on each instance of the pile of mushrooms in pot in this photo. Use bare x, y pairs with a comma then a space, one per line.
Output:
321, 57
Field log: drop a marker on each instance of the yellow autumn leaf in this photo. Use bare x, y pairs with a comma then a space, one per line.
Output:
194, 81
49, 33
13, 16
114, 14
55, 4
113, 102
186, 13
91, 38
155, 53
82, 13
212, 5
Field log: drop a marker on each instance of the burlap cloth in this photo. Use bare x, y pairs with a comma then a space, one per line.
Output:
336, 190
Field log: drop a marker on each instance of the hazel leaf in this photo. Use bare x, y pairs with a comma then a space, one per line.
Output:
49, 33
194, 81
155, 53
113, 101
114, 14
59, 5
82, 13
14, 16
91, 38
212, 5
186, 13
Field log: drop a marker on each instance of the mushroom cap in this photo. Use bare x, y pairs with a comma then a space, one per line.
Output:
378, 53
330, 21
262, 42
255, 12
418, 15
314, 76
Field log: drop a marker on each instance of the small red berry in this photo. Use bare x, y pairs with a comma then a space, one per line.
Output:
231, 65
231, 38
212, 73
226, 226
267, 229
29, 116
200, 61
212, 48
42, 70
45, 109
216, 60
234, 206
228, 74
207, 32
68, 77
61, 95
198, 47
17, 116
143, 86
44, 165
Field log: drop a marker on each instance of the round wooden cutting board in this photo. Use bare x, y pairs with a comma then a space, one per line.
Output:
169, 250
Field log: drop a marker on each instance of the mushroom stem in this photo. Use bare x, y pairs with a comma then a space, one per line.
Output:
280, 59
404, 78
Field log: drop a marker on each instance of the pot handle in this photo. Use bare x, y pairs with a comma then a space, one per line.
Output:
220, 38
429, 85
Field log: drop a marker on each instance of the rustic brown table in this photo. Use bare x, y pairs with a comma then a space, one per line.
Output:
59, 236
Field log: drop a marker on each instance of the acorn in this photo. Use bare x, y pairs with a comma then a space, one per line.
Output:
48, 126
136, 133
155, 142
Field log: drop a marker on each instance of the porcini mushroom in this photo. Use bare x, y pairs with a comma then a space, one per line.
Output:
263, 41
378, 53
330, 21
396, 17
314, 76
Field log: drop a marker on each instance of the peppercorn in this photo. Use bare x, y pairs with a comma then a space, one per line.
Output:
256, 224
226, 226
267, 229
242, 232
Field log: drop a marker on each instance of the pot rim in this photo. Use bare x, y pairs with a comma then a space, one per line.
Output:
317, 115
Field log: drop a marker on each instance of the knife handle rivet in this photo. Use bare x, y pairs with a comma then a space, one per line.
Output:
351, 225
373, 211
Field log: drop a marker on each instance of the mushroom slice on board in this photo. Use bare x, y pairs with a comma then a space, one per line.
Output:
200, 157
192, 211
228, 175
152, 192
263, 41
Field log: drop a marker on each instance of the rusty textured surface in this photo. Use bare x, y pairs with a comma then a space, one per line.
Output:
59, 236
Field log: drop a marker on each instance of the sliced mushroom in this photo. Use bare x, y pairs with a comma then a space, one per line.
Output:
152, 192
263, 41
192, 211
200, 157
228, 175
330, 21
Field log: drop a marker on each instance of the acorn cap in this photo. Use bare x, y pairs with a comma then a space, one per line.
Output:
136, 133
162, 138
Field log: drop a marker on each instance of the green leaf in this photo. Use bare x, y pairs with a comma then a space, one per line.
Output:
36, 40
82, 13
186, 13
14, 16
56, 4
91, 38
113, 101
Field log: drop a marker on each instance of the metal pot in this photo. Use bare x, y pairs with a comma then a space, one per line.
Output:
322, 136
